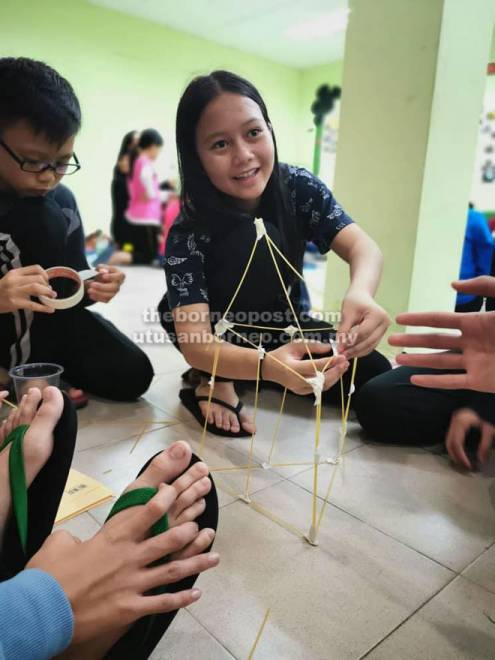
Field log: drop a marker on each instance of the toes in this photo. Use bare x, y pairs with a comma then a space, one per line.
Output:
247, 423
194, 474
202, 541
191, 513
184, 508
166, 466
226, 421
217, 413
13, 419
28, 410
51, 407
234, 424
204, 409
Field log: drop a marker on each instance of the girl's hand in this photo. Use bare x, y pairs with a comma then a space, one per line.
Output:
363, 324
292, 355
461, 421
106, 285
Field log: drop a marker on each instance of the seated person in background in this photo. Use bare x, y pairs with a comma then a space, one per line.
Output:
477, 255
442, 395
40, 227
102, 597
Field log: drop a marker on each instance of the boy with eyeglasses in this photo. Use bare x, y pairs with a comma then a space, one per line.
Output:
40, 227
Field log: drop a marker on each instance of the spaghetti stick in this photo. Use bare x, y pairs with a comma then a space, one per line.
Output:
246, 270
282, 364
210, 394
251, 445
342, 441
301, 277
277, 427
289, 301
258, 636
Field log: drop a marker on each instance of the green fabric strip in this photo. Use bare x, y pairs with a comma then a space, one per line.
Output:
137, 497
17, 478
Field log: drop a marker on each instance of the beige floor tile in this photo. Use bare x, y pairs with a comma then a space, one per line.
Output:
164, 394
105, 422
295, 440
115, 466
330, 602
416, 497
82, 526
454, 625
482, 570
186, 639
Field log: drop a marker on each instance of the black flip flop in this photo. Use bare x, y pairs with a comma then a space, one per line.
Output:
191, 402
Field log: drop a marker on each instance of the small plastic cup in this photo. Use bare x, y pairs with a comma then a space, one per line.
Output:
39, 374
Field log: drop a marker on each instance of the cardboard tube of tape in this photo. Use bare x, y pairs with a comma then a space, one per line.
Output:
70, 274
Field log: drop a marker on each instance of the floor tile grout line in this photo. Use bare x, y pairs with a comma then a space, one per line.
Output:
211, 634
407, 618
471, 563
381, 531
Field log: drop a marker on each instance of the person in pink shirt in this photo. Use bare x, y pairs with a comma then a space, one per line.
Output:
145, 198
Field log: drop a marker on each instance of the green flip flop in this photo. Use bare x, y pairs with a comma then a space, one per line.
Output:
138, 497
17, 478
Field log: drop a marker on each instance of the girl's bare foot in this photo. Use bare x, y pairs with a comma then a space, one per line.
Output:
220, 416
38, 440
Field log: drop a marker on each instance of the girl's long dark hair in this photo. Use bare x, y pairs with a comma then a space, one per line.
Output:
126, 144
148, 138
201, 202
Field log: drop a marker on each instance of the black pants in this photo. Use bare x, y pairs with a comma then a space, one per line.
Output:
261, 296
392, 410
472, 306
44, 497
95, 355
144, 239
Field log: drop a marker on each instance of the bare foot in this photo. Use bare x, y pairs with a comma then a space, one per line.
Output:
220, 416
38, 440
120, 258
191, 488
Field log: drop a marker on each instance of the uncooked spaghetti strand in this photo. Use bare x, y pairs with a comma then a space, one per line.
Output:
210, 394
277, 427
289, 301
242, 278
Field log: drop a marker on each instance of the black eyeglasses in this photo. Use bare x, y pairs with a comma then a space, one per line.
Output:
38, 166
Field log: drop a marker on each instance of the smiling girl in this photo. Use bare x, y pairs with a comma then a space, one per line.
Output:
230, 174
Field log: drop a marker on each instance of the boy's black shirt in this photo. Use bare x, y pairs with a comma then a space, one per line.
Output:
36, 230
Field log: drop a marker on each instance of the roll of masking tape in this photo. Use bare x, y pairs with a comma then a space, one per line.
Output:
67, 274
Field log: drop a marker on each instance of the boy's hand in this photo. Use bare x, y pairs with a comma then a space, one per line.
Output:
106, 285
19, 284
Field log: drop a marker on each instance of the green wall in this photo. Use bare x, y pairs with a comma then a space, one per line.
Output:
129, 73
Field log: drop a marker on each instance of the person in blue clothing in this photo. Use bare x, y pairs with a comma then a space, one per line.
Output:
477, 255
93, 598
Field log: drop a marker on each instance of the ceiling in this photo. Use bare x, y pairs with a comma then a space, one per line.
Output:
292, 32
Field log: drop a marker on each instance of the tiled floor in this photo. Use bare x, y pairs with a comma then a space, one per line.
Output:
405, 567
